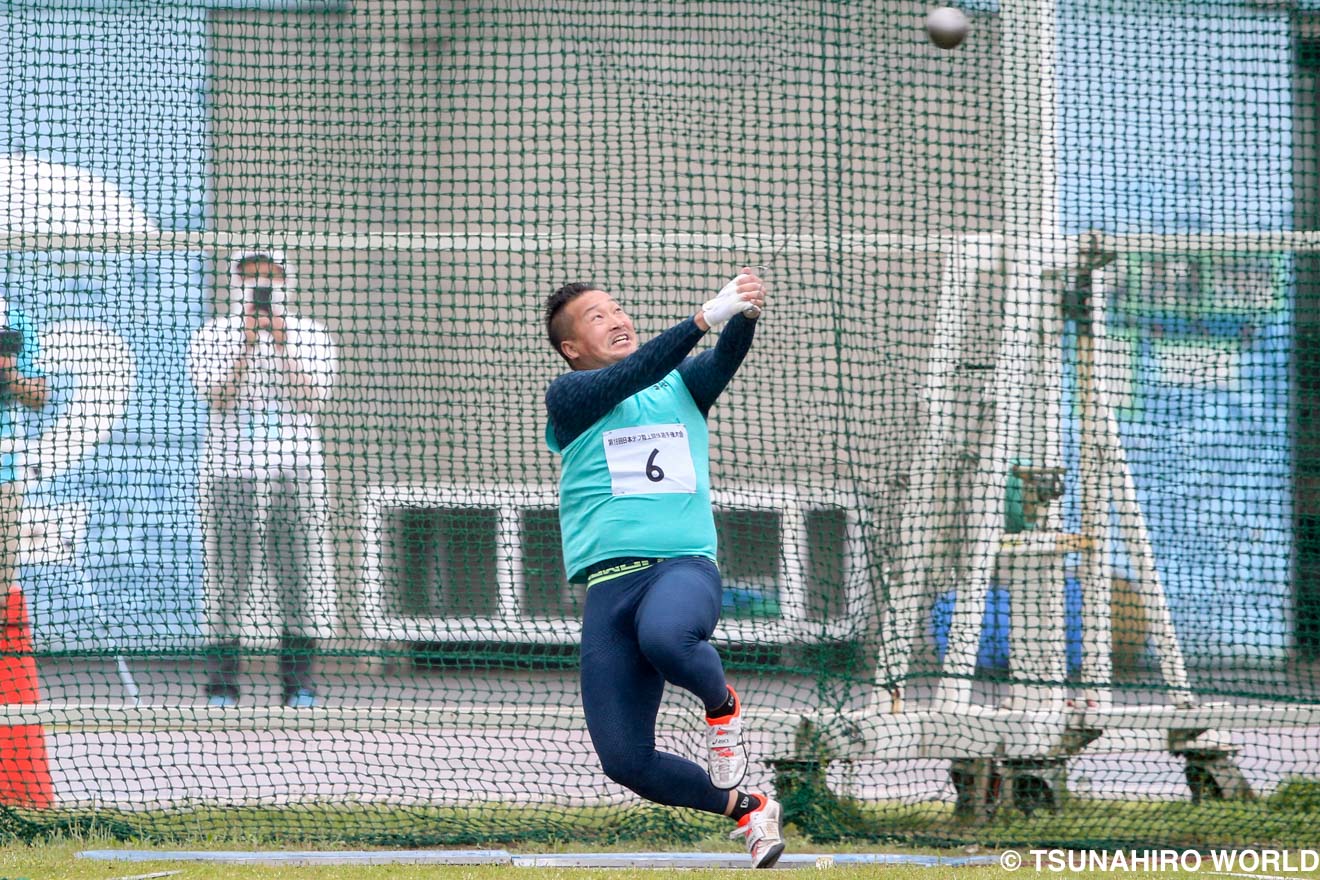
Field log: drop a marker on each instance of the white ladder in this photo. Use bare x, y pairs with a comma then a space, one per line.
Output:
1026, 372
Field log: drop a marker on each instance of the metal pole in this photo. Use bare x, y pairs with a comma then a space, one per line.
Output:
1132, 522
926, 510
1032, 243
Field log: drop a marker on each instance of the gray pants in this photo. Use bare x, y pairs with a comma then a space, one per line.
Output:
268, 573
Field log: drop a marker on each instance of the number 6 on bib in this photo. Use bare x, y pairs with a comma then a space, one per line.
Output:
650, 460
653, 471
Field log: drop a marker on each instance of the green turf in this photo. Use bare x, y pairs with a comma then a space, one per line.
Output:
1288, 820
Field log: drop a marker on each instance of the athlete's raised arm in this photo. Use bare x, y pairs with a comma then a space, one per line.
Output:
576, 400
593, 333
709, 373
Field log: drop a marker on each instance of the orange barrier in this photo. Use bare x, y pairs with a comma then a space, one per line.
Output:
24, 768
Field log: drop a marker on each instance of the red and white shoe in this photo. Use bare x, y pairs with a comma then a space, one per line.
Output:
726, 756
765, 841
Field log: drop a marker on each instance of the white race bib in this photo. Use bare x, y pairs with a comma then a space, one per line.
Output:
650, 460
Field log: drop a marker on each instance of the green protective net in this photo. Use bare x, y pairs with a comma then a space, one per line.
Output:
1016, 491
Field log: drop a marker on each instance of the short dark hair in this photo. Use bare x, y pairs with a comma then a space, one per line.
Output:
259, 259
250, 259
554, 306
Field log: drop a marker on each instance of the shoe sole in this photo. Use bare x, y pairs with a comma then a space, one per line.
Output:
737, 782
768, 861
730, 786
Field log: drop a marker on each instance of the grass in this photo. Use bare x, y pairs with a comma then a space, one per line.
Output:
1290, 819
43, 845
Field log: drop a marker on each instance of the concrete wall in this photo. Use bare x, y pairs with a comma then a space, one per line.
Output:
763, 119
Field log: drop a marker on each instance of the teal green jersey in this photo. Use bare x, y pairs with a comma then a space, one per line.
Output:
637, 482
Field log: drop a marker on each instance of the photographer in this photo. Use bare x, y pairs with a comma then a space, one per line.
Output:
20, 384
265, 373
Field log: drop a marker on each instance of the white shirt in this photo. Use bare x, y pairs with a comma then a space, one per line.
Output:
273, 424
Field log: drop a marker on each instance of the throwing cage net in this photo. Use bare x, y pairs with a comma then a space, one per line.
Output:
1015, 492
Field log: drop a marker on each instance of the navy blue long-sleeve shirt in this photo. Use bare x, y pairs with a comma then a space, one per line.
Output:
577, 400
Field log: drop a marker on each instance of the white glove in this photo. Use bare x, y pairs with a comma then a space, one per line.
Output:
725, 304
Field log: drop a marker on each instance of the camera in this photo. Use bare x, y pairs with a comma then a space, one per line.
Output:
262, 298
11, 342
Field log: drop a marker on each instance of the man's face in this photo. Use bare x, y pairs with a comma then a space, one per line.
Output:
599, 331
260, 277
261, 272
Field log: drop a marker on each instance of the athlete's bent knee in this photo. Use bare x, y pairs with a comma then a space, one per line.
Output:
668, 646
624, 766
